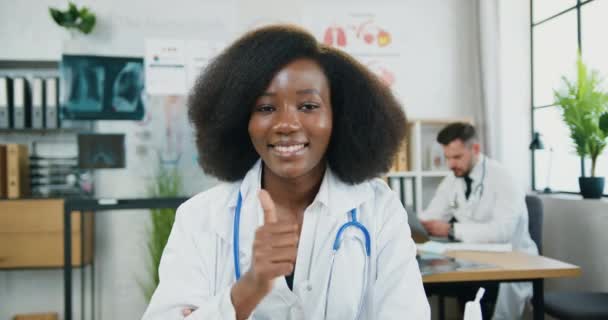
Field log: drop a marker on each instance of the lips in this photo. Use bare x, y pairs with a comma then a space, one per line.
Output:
288, 149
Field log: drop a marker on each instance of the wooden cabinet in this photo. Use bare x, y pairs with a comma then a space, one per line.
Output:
31, 234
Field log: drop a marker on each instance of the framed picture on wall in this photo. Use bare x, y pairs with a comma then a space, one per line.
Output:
102, 88
101, 151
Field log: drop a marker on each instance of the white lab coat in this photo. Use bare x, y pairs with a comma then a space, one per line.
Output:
197, 266
494, 213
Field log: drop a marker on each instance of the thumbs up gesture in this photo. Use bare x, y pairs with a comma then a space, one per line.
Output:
275, 246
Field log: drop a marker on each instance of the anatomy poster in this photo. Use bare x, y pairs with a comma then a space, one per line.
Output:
371, 36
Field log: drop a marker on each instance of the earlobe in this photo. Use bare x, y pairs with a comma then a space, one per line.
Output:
476, 148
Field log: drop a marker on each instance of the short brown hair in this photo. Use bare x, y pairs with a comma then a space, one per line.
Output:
457, 131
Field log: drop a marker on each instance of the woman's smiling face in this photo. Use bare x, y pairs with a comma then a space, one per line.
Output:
291, 122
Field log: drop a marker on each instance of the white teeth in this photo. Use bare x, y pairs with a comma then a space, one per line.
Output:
289, 149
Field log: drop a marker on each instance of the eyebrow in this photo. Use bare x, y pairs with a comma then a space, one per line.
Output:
303, 91
308, 91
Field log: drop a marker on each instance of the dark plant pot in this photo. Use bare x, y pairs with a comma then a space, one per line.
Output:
591, 187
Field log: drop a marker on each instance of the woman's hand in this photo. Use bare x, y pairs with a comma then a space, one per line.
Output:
274, 254
275, 247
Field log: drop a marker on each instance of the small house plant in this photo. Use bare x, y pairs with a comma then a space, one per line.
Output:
74, 18
585, 112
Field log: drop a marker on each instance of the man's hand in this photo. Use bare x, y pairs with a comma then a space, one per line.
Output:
436, 228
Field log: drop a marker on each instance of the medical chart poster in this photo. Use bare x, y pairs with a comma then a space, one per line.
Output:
165, 67
165, 136
373, 37
173, 65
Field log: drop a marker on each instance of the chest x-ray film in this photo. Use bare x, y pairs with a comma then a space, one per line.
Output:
100, 151
102, 88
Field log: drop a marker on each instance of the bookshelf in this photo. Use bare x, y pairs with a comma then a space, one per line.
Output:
420, 162
51, 135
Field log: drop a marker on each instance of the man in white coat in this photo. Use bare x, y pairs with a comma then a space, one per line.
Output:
480, 203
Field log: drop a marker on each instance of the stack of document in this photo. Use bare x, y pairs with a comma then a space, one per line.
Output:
441, 247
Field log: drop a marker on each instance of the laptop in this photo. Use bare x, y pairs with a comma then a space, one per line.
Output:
419, 233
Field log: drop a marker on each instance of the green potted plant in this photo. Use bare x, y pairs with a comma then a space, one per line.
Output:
167, 183
74, 18
585, 111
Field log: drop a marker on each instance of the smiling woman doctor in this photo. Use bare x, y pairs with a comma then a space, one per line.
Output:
301, 229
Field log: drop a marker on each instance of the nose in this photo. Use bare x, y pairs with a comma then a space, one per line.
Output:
287, 120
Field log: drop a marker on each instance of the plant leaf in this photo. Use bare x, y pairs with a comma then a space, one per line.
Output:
583, 104
57, 16
87, 23
604, 123
167, 183
73, 9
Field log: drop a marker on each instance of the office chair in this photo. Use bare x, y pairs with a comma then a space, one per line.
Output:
535, 220
577, 305
564, 305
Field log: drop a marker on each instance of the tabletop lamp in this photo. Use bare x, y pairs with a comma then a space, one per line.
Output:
538, 144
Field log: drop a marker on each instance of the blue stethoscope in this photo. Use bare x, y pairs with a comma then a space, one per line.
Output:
352, 223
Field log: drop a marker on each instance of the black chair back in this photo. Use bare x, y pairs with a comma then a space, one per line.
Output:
535, 220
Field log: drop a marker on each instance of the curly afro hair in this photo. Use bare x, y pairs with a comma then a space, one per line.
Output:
368, 122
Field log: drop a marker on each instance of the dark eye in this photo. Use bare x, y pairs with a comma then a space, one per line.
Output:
308, 106
265, 108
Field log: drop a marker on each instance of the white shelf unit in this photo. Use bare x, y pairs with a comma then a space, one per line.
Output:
422, 134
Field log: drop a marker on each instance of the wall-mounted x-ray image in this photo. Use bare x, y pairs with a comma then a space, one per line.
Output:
101, 151
102, 88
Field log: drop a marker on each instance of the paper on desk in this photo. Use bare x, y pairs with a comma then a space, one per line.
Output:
440, 248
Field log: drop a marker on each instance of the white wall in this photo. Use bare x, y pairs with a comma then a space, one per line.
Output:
441, 81
514, 118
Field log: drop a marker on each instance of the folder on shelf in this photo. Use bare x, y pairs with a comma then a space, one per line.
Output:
402, 156
51, 103
6, 102
3, 179
17, 171
20, 103
37, 112
400, 161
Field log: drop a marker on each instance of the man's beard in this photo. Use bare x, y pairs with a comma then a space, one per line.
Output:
466, 172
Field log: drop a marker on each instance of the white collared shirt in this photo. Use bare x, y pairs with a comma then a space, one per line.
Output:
197, 266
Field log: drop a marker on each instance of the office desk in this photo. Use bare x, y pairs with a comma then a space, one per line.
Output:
510, 267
